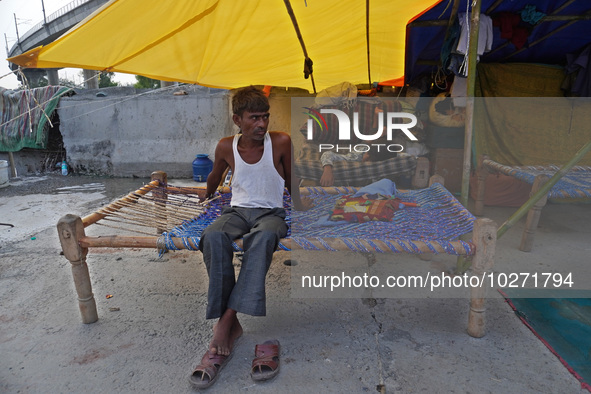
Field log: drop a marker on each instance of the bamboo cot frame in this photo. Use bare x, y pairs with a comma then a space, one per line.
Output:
538, 198
75, 245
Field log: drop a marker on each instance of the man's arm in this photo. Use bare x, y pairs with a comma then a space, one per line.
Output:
286, 160
220, 163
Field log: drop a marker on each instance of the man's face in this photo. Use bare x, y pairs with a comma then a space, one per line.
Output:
252, 124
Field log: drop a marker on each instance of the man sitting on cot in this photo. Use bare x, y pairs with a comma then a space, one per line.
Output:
261, 166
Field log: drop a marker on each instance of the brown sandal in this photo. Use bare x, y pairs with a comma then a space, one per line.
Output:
206, 373
265, 365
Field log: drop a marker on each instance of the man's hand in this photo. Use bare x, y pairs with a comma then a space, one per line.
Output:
202, 193
327, 178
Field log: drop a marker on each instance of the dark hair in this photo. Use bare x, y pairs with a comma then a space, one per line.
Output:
381, 155
249, 99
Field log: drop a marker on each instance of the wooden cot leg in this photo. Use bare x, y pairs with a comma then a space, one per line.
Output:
160, 197
481, 173
71, 230
533, 215
485, 239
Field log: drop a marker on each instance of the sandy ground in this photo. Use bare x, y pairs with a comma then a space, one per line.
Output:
152, 332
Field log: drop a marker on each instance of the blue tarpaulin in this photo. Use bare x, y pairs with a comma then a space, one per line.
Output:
564, 30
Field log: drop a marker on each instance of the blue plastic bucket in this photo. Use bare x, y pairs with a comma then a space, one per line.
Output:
4, 180
202, 166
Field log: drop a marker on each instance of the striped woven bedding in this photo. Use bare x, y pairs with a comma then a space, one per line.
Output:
24, 117
308, 166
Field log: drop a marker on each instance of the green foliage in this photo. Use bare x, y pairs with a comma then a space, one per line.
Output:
146, 83
68, 83
38, 83
105, 80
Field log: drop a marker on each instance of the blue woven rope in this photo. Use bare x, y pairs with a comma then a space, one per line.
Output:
439, 219
375, 247
574, 184
326, 245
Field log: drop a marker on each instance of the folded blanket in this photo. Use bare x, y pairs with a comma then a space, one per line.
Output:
325, 221
384, 187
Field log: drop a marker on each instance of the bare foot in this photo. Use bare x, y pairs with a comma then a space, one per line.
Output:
225, 333
327, 178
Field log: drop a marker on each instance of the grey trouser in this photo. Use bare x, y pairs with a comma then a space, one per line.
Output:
261, 229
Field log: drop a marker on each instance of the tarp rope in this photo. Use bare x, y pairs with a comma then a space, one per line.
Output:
308, 63
367, 41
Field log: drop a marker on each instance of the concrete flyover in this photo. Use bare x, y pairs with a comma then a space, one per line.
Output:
50, 29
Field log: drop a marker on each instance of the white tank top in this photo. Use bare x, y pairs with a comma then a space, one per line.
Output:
257, 185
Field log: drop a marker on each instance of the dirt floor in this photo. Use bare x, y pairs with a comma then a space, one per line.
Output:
152, 331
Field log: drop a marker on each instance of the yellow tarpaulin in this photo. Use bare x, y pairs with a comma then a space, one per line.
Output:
229, 43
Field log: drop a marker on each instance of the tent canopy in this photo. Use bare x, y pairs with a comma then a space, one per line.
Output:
228, 44
565, 29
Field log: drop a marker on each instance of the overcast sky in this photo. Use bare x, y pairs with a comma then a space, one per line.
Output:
28, 14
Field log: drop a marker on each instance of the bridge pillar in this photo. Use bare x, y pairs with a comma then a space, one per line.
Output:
164, 84
91, 79
34, 76
52, 76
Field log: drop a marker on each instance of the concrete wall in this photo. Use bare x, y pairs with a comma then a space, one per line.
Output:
125, 134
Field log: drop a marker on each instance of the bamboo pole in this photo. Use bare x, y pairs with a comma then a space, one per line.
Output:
547, 18
12, 165
469, 127
186, 189
531, 44
543, 190
493, 6
95, 217
452, 16
147, 242
533, 216
482, 173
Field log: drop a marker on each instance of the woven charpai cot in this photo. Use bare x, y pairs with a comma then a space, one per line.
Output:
574, 184
435, 226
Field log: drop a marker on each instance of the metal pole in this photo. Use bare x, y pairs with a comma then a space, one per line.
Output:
18, 40
43, 7
543, 190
